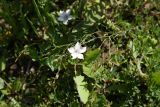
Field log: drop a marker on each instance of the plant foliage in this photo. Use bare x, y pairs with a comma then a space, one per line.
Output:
120, 66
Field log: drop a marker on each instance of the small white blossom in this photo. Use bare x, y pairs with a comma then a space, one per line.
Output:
65, 16
77, 50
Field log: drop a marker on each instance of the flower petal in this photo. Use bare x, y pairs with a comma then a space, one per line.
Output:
69, 17
61, 12
61, 18
80, 56
68, 11
77, 46
74, 55
71, 50
83, 49
65, 22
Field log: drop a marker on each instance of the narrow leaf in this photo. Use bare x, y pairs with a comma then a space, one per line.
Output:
1, 83
37, 11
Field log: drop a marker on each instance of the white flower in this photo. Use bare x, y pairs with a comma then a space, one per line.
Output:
77, 50
65, 16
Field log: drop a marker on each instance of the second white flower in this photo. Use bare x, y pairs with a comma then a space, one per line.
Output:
65, 16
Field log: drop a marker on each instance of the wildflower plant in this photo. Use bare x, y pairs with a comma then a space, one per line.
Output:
77, 52
115, 62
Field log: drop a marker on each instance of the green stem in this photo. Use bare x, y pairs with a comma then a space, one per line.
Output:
75, 69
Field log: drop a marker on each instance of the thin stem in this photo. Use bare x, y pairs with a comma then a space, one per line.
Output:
75, 69
8, 85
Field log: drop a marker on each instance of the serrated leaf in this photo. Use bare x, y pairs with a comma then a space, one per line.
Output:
53, 62
1, 83
92, 55
88, 71
99, 100
81, 87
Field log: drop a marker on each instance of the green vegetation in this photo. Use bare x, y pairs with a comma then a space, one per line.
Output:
43, 65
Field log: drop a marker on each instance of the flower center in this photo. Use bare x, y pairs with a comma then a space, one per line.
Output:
65, 16
77, 51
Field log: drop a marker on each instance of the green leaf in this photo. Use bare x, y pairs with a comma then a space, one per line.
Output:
88, 71
3, 104
15, 103
33, 53
33, 27
74, 104
81, 87
92, 55
98, 100
53, 62
17, 85
97, 1
155, 78
4, 92
37, 11
2, 65
101, 101
1, 83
